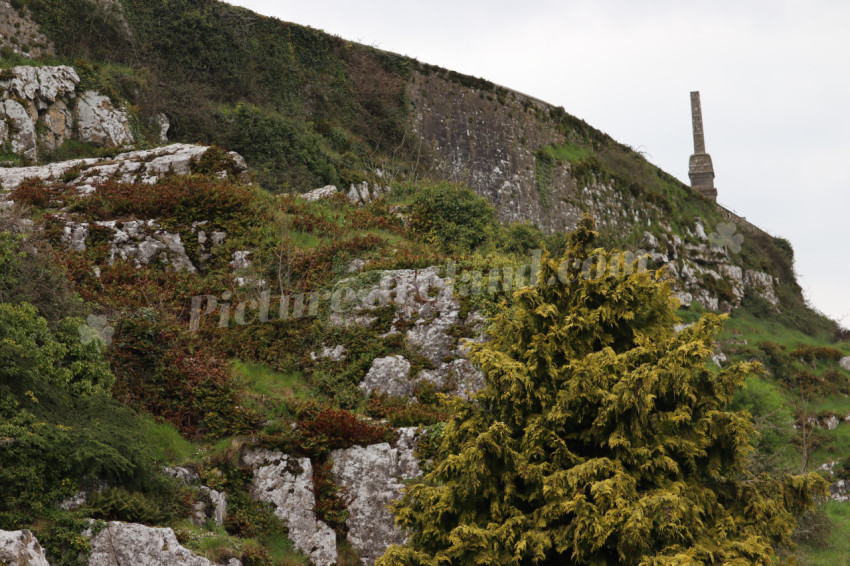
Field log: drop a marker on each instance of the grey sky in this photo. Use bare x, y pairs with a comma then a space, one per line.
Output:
774, 79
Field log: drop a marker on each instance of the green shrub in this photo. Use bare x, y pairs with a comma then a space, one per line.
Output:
453, 216
521, 237
118, 504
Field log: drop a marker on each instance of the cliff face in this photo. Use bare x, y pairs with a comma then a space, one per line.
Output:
487, 140
40, 108
535, 163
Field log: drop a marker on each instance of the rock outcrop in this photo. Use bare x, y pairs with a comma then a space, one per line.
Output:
40, 108
147, 166
20, 548
119, 544
212, 504
845, 363
375, 475
361, 193
429, 314
99, 123
286, 482
139, 241
840, 491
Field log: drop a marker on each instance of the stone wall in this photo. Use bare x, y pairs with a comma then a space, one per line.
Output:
490, 139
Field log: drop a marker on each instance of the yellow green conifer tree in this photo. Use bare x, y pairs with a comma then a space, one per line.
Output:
602, 437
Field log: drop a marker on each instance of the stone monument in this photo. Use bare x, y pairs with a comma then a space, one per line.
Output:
701, 170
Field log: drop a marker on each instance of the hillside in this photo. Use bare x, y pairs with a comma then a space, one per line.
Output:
273, 241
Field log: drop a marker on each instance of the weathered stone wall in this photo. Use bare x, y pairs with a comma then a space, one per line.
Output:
488, 143
488, 140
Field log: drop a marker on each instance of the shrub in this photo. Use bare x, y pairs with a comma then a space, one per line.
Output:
37, 193
402, 413
600, 437
521, 237
813, 353
184, 198
453, 216
118, 504
331, 429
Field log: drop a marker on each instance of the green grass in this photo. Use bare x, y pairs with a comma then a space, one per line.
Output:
282, 553
166, 443
568, 152
743, 324
268, 390
837, 551
836, 447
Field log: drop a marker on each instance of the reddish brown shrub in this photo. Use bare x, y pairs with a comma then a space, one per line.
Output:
337, 428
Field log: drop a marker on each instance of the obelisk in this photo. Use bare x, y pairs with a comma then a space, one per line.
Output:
701, 170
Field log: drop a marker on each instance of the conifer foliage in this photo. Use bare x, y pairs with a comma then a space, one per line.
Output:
602, 437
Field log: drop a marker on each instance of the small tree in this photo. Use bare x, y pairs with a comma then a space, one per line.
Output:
602, 437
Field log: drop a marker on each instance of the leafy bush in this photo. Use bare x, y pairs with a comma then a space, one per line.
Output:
599, 438
36, 193
521, 237
186, 199
331, 429
161, 372
453, 216
402, 413
811, 354
118, 504
283, 153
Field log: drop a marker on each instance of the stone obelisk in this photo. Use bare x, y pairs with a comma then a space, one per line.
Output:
701, 170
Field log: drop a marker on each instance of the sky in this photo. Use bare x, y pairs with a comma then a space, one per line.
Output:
774, 79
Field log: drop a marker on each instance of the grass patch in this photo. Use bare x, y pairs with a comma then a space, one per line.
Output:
166, 443
837, 550
270, 391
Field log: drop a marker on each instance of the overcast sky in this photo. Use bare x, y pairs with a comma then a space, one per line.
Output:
774, 78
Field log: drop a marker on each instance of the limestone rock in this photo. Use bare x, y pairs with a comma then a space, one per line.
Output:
286, 483
119, 544
99, 122
20, 548
21, 129
186, 475
146, 166
140, 241
57, 126
363, 193
831, 422
390, 375
840, 491
375, 475
55, 82
162, 126
427, 308
356, 266
845, 363
336, 354
75, 501
318, 194
45, 96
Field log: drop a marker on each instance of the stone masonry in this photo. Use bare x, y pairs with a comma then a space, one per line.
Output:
701, 171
